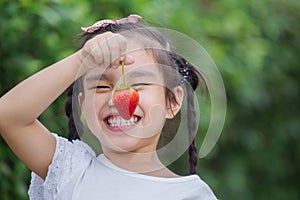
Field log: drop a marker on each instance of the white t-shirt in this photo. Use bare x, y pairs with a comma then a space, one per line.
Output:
77, 174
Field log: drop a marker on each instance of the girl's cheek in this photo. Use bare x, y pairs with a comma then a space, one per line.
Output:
143, 98
95, 101
102, 99
152, 102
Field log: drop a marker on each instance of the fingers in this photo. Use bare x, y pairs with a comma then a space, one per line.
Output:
117, 49
106, 50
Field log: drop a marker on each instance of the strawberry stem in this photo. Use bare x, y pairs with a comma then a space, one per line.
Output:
123, 73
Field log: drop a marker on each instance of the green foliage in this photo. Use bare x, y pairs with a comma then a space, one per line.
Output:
255, 45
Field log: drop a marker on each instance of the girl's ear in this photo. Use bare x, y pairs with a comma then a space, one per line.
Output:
81, 102
80, 98
175, 106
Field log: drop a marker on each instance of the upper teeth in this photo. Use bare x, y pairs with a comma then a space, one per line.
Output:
119, 121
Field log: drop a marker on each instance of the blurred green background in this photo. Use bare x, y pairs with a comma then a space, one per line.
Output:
256, 46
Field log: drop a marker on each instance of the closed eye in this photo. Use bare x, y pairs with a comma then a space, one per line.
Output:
139, 85
101, 88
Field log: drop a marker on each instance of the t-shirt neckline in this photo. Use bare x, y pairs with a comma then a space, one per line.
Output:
105, 161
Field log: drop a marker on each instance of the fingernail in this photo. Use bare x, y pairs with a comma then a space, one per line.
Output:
122, 58
129, 59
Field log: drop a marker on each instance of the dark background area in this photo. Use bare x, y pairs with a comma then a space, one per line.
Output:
255, 45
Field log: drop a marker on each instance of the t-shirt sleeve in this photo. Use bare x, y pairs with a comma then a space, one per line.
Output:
70, 158
205, 192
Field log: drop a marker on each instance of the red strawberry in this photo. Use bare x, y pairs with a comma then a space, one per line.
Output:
126, 101
125, 98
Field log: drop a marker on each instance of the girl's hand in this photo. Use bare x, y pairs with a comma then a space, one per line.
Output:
105, 50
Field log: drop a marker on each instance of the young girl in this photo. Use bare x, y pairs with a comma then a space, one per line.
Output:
129, 168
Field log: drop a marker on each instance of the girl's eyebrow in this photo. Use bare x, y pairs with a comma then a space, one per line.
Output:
97, 77
140, 73
129, 75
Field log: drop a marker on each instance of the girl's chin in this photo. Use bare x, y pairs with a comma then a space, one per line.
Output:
122, 144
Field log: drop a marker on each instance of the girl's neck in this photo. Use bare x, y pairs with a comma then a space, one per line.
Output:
145, 163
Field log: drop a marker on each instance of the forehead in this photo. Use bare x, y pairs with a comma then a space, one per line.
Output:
143, 66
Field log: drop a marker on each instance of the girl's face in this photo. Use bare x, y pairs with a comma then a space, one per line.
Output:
141, 133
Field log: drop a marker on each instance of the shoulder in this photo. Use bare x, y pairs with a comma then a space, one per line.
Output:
70, 158
202, 190
74, 148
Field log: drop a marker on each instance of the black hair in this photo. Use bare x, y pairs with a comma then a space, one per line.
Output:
189, 76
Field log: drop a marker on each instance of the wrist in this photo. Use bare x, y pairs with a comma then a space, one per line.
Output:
77, 63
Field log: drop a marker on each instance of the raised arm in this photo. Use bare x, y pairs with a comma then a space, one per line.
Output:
21, 106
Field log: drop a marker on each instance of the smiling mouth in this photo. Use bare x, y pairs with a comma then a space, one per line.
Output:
118, 121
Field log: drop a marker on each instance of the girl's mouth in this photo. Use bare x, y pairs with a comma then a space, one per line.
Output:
118, 121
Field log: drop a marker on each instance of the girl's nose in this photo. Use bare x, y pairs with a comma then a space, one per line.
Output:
110, 102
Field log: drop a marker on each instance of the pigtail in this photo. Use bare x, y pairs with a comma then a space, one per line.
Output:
191, 80
190, 77
73, 113
192, 126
